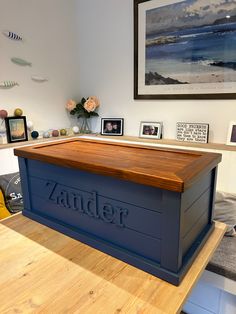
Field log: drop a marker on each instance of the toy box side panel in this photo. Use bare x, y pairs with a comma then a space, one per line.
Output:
197, 215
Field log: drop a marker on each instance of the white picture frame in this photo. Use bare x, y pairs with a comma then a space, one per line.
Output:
149, 129
231, 137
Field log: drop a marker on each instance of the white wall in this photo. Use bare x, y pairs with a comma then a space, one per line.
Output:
49, 31
106, 69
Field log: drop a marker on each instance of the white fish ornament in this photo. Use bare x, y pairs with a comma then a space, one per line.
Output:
12, 35
21, 62
8, 84
39, 79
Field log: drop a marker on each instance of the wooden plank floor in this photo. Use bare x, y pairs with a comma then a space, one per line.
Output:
43, 271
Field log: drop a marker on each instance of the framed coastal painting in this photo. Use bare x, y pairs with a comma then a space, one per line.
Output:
184, 49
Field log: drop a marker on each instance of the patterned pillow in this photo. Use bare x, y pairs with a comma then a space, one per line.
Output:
11, 188
225, 211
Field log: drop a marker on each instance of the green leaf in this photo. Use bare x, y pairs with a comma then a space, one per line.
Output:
94, 114
83, 100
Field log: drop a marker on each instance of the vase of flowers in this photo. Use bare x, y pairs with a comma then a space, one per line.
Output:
84, 110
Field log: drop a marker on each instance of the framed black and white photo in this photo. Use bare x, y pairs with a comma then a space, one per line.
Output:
16, 129
231, 138
112, 126
184, 49
150, 130
192, 132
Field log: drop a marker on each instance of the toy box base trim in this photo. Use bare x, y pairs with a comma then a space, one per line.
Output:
123, 254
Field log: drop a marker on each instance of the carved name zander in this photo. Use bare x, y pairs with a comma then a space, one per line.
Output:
86, 203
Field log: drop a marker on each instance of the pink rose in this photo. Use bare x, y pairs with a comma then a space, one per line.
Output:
71, 104
90, 105
96, 100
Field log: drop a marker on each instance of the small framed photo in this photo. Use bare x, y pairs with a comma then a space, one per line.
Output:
231, 138
150, 130
16, 129
112, 126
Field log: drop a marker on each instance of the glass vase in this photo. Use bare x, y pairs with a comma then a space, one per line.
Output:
84, 125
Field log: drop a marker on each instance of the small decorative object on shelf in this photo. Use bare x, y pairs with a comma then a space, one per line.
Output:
63, 132
75, 129
34, 135
84, 110
30, 125
3, 114
46, 134
112, 126
18, 112
192, 132
151, 130
55, 133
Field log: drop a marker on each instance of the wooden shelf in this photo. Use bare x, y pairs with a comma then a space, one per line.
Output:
216, 146
38, 141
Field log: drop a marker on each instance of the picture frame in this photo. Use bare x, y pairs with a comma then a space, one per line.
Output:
16, 129
183, 50
112, 126
231, 137
192, 132
151, 130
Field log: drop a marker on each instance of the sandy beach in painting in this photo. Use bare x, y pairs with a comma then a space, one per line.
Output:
191, 73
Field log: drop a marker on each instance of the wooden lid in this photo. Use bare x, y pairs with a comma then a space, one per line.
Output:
169, 169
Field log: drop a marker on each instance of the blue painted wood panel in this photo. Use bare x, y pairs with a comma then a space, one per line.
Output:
135, 194
156, 230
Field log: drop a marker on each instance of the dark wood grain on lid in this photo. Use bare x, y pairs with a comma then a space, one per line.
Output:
169, 169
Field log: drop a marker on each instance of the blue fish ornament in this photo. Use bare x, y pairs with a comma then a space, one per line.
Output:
8, 84
12, 35
21, 62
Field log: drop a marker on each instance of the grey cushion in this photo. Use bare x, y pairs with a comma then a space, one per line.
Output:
225, 210
224, 259
11, 188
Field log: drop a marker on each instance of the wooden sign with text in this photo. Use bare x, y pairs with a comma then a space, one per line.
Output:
192, 132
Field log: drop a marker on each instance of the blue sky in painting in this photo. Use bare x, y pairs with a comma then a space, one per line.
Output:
188, 14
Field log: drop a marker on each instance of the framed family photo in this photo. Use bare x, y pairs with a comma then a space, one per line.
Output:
16, 129
150, 130
184, 49
231, 138
112, 126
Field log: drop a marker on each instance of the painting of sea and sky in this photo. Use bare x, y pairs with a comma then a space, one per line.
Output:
191, 42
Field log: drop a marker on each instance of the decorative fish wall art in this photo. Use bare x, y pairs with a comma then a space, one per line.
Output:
21, 62
39, 79
8, 84
12, 35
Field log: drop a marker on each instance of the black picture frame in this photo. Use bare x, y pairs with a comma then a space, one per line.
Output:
112, 126
16, 129
209, 90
